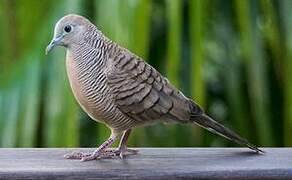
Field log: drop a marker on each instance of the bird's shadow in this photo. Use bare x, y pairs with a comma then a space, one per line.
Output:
248, 153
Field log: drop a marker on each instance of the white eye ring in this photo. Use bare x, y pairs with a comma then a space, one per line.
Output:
68, 28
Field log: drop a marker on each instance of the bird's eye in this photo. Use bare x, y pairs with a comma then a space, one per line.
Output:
68, 28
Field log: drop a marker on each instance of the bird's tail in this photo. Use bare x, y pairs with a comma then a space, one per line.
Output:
203, 120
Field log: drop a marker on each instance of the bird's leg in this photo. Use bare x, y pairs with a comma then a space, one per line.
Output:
123, 149
84, 156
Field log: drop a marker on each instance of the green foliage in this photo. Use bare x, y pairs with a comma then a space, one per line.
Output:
174, 17
252, 54
287, 25
197, 27
232, 57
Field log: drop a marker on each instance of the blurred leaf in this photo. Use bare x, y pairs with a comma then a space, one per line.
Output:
11, 114
174, 17
255, 69
285, 6
30, 105
197, 26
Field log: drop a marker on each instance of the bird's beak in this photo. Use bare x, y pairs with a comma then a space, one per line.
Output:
54, 43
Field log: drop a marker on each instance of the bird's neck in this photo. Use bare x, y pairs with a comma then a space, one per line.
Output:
86, 58
84, 64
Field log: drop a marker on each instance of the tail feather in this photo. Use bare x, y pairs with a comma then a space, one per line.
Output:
208, 123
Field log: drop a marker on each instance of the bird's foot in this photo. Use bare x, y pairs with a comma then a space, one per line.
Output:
86, 156
107, 153
113, 153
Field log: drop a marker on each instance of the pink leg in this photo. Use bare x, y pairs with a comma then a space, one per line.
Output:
122, 149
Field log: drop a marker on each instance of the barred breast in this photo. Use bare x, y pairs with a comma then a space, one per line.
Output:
86, 72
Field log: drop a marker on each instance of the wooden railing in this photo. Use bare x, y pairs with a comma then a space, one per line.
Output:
150, 163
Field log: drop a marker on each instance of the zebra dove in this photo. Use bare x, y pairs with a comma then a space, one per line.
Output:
116, 87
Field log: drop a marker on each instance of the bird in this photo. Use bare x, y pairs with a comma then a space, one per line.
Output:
119, 89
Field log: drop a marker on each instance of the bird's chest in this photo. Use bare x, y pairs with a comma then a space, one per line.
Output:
88, 82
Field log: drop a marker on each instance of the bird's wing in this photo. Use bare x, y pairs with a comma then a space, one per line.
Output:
143, 93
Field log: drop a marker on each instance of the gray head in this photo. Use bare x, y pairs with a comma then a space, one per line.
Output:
69, 30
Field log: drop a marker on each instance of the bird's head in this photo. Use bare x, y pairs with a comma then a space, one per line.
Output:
69, 30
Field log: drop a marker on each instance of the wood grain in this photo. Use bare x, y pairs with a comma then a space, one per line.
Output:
150, 163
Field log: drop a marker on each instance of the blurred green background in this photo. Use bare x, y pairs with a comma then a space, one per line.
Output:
234, 57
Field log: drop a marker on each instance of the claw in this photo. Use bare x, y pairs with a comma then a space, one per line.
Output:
121, 155
89, 158
123, 151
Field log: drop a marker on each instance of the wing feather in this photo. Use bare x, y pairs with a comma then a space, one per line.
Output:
143, 93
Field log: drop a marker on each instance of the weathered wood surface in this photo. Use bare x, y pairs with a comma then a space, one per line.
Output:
150, 163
